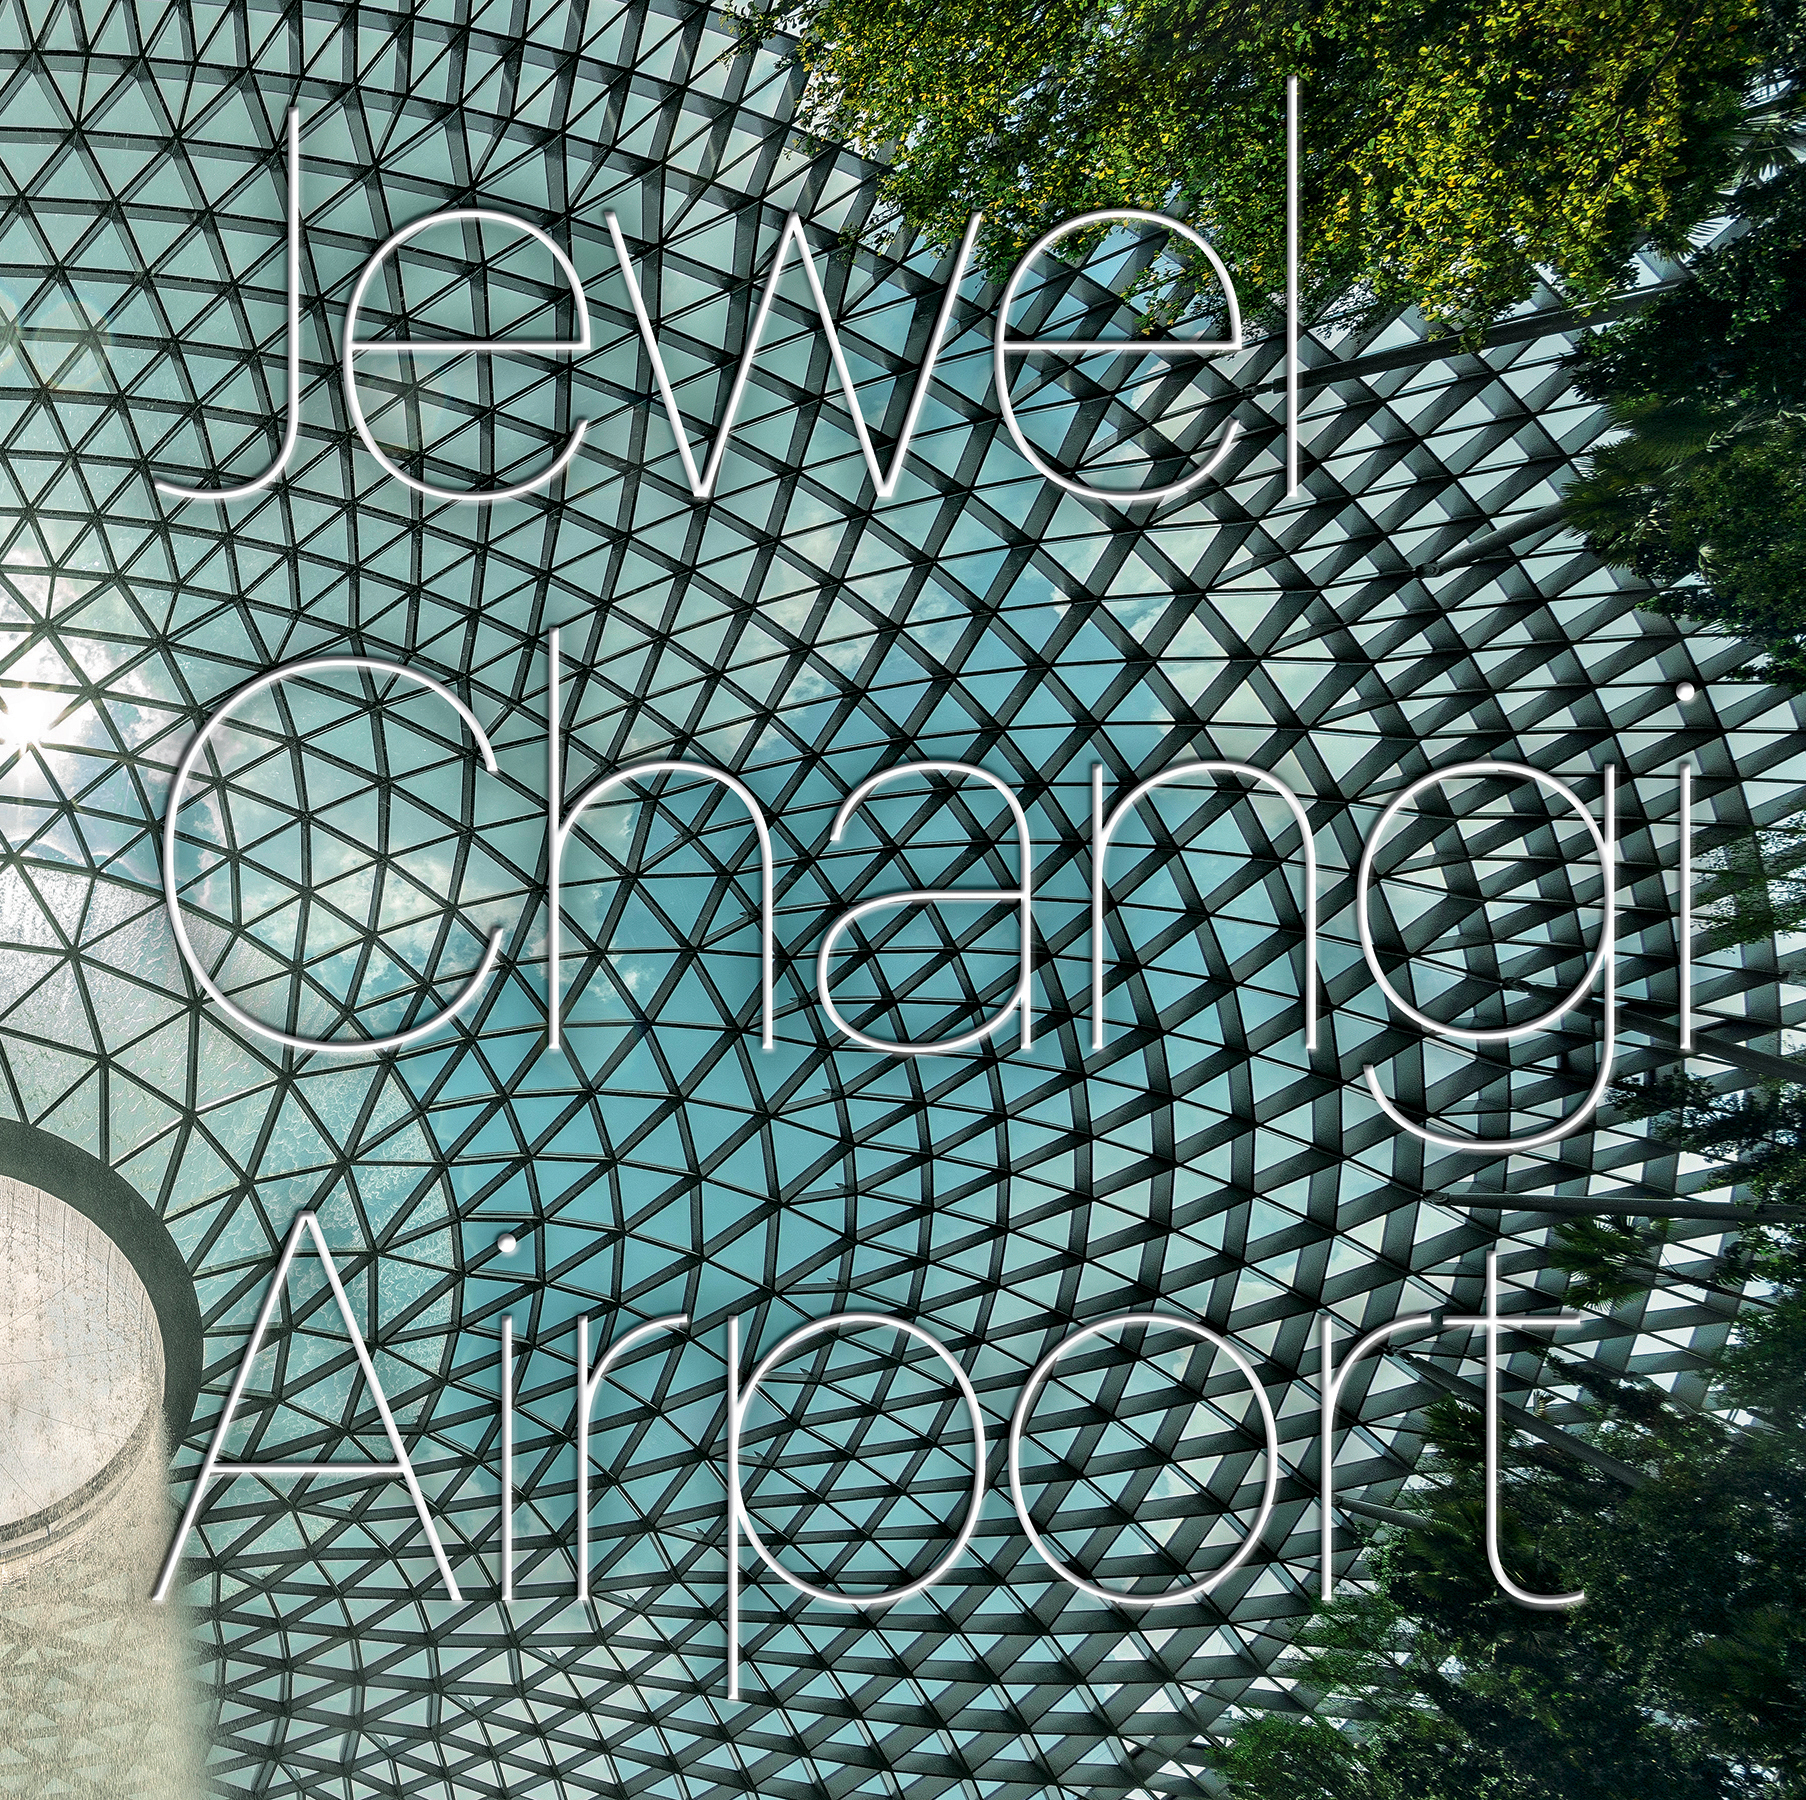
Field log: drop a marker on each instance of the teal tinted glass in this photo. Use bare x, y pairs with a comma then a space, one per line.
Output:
344, 856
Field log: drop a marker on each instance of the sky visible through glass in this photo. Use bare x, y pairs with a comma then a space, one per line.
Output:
344, 857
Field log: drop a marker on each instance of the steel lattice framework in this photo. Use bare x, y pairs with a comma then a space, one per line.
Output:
344, 856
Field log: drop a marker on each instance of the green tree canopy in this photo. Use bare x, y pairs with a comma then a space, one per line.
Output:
1450, 149
1684, 1673
1705, 495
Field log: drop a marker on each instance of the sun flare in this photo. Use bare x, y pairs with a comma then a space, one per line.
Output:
27, 719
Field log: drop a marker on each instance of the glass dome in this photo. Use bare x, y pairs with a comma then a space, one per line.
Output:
344, 855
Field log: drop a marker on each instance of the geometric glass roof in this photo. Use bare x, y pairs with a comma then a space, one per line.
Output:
344, 856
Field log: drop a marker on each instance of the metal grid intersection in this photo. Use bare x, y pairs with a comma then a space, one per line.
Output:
801, 635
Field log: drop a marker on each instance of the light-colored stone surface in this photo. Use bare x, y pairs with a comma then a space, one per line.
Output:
81, 1364
97, 1695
